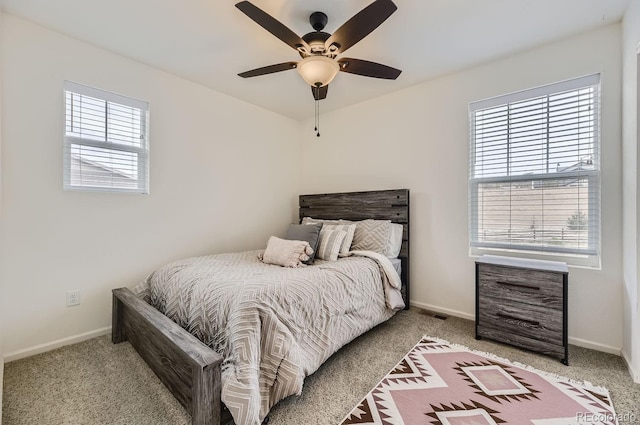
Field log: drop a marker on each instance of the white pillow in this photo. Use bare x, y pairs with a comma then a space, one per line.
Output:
330, 243
286, 253
394, 243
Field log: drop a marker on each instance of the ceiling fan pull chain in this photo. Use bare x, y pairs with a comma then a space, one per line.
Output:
317, 111
317, 118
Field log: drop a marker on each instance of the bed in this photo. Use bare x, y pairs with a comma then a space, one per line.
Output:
194, 372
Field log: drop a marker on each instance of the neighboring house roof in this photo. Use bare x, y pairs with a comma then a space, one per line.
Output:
585, 164
98, 174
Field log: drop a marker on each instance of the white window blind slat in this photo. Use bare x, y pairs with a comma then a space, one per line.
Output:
534, 177
111, 97
105, 141
562, 86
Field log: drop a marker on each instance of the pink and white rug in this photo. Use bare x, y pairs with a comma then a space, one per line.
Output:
438, 383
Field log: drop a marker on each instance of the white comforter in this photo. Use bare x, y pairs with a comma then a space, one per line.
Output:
273, 325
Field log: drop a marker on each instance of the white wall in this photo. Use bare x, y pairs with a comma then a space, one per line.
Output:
221, 180
418, 139
631, 186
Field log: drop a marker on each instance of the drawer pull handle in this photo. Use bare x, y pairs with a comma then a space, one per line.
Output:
518, 285
520, 319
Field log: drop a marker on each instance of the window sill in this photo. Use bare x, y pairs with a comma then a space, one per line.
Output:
578, 261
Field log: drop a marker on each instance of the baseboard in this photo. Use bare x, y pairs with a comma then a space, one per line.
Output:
575, 341
446, 311
595, 346
635, 376
43, 348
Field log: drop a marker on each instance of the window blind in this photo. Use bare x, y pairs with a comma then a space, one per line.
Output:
105, 141
534, 169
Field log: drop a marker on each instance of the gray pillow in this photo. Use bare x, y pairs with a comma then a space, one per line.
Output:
306, 232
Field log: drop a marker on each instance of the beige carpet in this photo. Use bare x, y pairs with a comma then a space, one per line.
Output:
96, 382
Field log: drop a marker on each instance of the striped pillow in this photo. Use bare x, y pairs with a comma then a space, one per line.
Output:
346, 243
330, 243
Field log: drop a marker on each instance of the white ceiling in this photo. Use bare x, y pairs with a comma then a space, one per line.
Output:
210, 41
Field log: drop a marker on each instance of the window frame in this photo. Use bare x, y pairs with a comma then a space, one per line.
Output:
588, 257
141, 152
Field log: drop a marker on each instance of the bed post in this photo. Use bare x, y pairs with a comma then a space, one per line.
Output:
187, 367
206, 401
117, 336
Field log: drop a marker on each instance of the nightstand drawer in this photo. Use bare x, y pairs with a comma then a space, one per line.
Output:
527, 286
554, 350
535, 322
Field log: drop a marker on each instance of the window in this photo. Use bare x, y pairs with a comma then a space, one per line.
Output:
105, 141
534, 179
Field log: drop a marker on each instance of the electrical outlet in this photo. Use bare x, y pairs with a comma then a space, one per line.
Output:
73, 297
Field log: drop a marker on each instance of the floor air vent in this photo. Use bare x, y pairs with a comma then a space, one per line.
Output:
434, 314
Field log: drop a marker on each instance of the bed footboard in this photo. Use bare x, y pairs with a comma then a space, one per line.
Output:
187, 367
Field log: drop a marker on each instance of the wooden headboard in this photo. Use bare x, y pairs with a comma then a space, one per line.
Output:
378, 204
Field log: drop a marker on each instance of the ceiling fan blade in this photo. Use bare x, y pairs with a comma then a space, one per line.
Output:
320, 93
268, 69
360, 25
272, 25
368, 69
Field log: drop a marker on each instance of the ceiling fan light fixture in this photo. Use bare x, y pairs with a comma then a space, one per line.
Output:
317, 70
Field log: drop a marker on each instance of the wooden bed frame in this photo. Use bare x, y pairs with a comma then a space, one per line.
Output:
190, 369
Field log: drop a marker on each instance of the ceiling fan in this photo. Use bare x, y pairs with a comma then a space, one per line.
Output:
319, 50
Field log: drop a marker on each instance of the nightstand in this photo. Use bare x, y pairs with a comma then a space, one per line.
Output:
523, 302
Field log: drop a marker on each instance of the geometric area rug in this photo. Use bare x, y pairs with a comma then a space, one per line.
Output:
447, 384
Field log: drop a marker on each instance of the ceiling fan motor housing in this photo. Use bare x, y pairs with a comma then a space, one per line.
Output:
316, 41
318, 20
